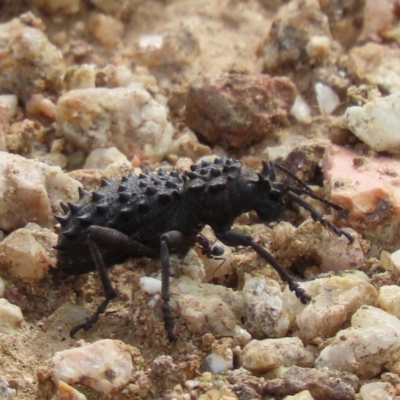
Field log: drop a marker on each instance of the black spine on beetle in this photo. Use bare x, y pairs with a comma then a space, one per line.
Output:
152, 214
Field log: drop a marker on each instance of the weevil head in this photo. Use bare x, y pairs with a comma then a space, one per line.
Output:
269, 200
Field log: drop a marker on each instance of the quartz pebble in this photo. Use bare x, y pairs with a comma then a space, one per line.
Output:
377, 391
369, 346
29, 63
368, 188
389, 299
11, 317
102, 158
127, 118
261, 356
263, 312
221, 357
104, 366
31, 191
8, 107
327, 99
376, 123
301, 110
150, 285
206, 307
24, 254
335, 299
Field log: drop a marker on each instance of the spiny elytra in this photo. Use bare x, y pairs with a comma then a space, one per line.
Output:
155, 213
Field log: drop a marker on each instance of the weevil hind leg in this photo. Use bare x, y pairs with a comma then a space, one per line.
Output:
177, 241
98, 236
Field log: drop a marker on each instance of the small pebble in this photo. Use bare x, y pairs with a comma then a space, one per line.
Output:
261, 356
301, 110
327, 99
369, 346
377, 391
105, 365
376, 123
11, 317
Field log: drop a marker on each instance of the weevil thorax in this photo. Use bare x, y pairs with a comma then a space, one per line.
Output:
218, 192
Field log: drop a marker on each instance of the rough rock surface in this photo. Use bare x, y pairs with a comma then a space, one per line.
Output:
335, 300
105, 365
238, 110
368, 188
376, 123
29, 63
376, 64
322, 384
127, 118
369, 346
265, 355
31, 191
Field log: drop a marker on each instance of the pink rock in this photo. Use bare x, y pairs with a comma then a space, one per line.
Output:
369, 187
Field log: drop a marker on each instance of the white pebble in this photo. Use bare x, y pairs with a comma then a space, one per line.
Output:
377, 123
218, 363
263, 310
150, 285
102, 158
265, 355
126, 118
377, 391
327, 99
301, 110
10, 317
104, 366
318, 46
8, 106
365, 349
389, 299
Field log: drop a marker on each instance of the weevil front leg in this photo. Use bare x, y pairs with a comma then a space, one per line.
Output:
235, 237
98, 235
177, 241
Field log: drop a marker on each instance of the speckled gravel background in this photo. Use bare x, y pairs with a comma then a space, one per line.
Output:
93, 89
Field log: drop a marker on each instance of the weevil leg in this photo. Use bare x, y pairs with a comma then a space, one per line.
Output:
170, 240
317, 216
234, 237
109, 291
96, 236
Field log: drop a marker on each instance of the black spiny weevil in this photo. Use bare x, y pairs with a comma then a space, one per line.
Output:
156, 213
